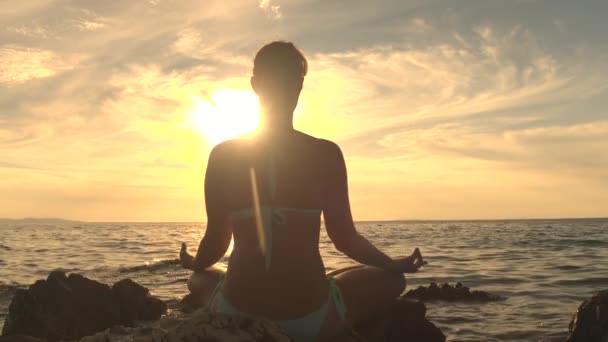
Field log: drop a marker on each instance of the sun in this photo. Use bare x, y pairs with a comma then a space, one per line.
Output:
227, 114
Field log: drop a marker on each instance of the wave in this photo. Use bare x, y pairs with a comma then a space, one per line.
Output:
589, 281
7, 291
150, 267
574, 242
567, 267
591, 242
6, 248
7, 287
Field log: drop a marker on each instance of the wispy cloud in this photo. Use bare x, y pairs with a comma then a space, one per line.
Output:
30, 31
87, 25
395, 86
19, 64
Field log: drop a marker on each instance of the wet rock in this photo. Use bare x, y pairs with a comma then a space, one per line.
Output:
590, 323
447, 292
70, 307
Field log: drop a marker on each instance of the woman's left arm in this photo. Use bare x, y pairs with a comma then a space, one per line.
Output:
218, 234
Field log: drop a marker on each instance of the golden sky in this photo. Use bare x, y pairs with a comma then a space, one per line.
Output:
445, 109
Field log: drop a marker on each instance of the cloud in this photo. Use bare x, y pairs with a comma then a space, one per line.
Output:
88, 25
30, 31
492, 77
390, 86
273, 11
572, 146
20, 64
189, 42
419, 25
88, 20
577, 147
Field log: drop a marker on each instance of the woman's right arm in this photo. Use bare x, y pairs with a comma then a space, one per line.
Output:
218, 233
339, 221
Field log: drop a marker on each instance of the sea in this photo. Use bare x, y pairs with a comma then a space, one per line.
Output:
545, 268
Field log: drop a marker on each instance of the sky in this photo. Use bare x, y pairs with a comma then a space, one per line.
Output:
444, 109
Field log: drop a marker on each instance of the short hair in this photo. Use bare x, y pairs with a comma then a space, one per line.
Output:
280, 57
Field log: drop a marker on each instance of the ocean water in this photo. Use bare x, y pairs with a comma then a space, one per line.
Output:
544, 267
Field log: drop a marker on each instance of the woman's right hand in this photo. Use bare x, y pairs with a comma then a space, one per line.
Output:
185, 259
410, 264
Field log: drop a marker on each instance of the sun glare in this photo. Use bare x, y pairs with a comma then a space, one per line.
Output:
227, 114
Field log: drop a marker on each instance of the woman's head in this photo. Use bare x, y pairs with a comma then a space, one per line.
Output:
278, 73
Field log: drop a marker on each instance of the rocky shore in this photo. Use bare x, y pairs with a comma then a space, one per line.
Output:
75, 308
72, 307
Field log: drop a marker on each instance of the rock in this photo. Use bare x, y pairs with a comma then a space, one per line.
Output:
590, 323
205, 326
19, 338
136, 303
70, 307
404, 321
190, 304
451, 293
201, 326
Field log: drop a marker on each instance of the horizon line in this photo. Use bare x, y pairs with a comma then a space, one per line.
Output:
356, 221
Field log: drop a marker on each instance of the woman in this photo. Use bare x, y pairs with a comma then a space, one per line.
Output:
268, 191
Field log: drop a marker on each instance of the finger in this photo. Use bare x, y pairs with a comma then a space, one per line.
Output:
420, 263
184, 247
414, 255
419, 254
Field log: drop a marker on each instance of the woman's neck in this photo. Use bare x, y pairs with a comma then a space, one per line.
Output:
274, 123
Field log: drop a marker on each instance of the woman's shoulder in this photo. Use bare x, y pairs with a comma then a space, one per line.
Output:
234, 145
320, 143
303, 142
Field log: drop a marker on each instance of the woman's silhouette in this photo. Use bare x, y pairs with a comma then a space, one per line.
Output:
268, 191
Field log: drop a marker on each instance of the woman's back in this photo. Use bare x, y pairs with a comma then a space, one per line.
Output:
277, 257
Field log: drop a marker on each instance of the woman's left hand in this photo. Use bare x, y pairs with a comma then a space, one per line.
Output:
410, 264
185, 259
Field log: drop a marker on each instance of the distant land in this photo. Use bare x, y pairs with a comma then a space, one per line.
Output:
37, 220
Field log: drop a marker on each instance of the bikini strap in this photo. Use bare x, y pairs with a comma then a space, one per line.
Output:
215, 290
336, 295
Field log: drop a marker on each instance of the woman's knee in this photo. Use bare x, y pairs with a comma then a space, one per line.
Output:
204, 282
201, 282
196, 282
